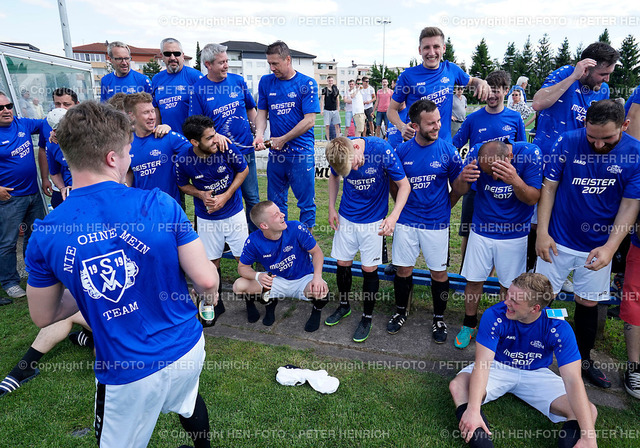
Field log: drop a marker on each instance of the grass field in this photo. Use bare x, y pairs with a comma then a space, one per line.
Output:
372, 408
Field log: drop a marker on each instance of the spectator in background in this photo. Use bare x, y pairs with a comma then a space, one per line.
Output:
459, 110
521, 86
122, 79
382, 105
519, 105
330, 107
368, 98
38, 110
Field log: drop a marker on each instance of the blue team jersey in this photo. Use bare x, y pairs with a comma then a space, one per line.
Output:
17, 160
633, 99
365, 191
590, 188
133, 82
527, 346
171, 93
116, 250
417, 83
429, 170
481, 127
394, 136
287, 257
152, 162
497, 212
287, 102
226, 103
569, 112
57, 163
214, 174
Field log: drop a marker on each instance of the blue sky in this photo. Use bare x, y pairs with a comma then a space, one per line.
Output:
321, 27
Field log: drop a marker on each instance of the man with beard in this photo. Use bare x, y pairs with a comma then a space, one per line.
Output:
171, 87
568, 92
430, 164
123, 79
588, 204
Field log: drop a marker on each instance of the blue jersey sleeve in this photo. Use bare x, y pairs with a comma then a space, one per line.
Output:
564, 343
391, 164
249, 256
310, 101
262, 94
402, 89
462, 78
455, 164
54, 166
195, 105
489, 330
40, 274
555, 165
462, 136
304, 237
236, 160
521, 133
532, 174
632, 189
557, 76
249, 102
182, 176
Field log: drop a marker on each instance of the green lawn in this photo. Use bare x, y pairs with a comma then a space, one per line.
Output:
372, 408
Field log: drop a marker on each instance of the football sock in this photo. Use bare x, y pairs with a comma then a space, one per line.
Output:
27, 365
370, 287
402, 287
82, 338
470, 321
586, 327
569, 434
344, 281
197, 426
252, 311
270, 313
440, 294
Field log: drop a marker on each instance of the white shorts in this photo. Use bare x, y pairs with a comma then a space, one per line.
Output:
407, 242
126, 414
351, 237
508, 256
587, 284
215, 232
538, 388
281, 287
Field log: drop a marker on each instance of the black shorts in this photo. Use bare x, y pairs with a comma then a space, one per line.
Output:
368, 113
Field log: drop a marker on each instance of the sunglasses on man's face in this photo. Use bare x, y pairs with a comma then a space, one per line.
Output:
8, 106
168, 54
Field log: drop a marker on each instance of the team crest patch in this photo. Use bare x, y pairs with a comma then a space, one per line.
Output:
233, 95
614, 169
537, 344
444, 80
506, 128
155, 152
371, 170
435, 164
292, 95
107, 276
221, 169
21, 134
287, 249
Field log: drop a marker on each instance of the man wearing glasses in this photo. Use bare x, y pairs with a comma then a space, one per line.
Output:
123, 79
20, 200
171, 87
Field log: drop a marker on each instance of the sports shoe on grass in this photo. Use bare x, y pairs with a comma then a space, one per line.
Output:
362, 332
594, 375
15, 292
439, 332
340, 313
81, 338
567, 286
463, 339
395, 323
632, 383
9, 384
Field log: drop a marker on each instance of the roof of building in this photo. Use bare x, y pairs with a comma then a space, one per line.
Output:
101, 47
255, 47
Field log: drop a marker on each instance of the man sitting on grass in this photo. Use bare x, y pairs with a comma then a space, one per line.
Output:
294, 262
515, 346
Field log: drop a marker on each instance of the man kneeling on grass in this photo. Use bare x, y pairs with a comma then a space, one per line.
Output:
515, 346
294, 262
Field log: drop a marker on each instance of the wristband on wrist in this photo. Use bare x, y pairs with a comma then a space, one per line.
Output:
258, 276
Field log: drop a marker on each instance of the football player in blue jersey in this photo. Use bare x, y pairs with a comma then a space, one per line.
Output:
124, 262
122, 79
367, 166
290, 99
294, 262
516, 343
431, 165
433, 80
171, 87
508, 187
568, 92
213, 178
589, 201
226, 99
